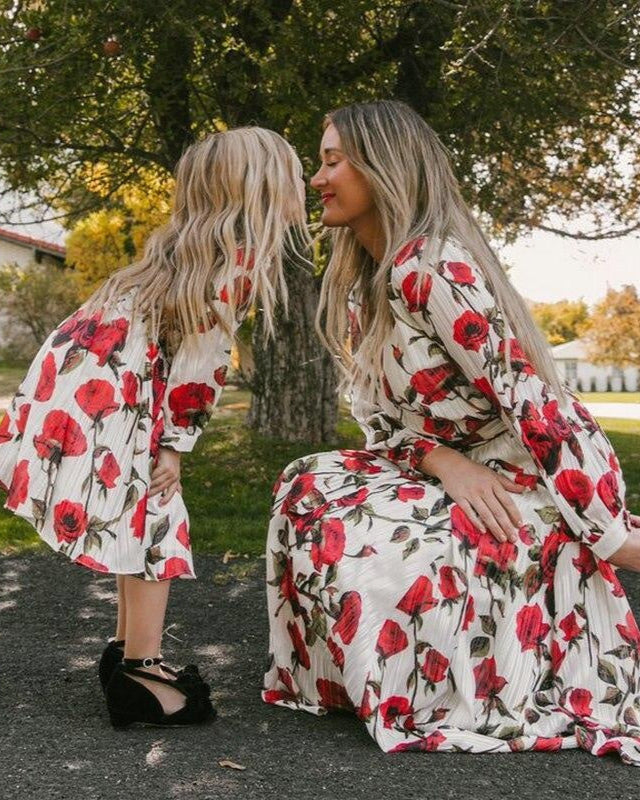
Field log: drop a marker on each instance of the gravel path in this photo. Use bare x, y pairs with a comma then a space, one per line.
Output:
55, 740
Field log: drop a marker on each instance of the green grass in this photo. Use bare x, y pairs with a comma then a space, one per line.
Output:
228, 479
610, 397
11, 373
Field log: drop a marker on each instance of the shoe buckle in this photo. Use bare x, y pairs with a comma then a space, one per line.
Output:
147, 663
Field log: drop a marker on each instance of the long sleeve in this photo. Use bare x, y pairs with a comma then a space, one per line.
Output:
198, 370
574, 457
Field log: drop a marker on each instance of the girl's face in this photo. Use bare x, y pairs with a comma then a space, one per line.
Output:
346, 195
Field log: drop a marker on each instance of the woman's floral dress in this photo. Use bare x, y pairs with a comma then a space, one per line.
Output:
78, 443
384, 599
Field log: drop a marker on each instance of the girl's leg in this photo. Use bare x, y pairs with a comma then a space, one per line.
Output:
146, 604
121, 624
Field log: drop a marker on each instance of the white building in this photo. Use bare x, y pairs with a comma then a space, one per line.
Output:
574, 366
17, 248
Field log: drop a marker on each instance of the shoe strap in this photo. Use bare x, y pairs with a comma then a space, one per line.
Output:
133, 663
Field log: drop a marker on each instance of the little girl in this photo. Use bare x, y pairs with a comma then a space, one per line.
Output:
90, 448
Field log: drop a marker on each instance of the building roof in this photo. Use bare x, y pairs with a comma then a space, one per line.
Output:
576, 350
30, 241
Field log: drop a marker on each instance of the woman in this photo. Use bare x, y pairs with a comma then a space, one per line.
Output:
90, 449
452, 582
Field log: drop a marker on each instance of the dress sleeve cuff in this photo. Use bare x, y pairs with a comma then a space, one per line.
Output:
612, 539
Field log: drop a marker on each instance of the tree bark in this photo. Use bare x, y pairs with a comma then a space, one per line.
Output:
294, 384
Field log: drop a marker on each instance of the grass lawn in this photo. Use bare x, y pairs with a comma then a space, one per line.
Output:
610, 397
228, 479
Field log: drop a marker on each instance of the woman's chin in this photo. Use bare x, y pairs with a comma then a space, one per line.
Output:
332, 220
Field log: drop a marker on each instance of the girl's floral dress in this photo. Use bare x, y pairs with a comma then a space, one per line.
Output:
78, 443
385, 600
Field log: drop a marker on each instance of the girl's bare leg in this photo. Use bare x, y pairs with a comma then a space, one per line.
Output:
121, 624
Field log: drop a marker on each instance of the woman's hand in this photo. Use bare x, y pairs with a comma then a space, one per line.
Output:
635, 520
480, 492
165, 477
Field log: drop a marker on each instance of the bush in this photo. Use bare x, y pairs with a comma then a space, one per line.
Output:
33, 300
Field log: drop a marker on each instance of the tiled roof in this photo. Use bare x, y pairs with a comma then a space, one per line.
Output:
29, 241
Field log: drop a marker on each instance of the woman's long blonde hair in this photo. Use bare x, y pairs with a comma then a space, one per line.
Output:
237, 196
416, 194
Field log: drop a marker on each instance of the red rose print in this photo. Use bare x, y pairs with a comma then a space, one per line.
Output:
570, 627
241, 291
585, 563
444, 428
301, 487
220, 375
174, 567
108, 339
302, 654
469, 614
69, 521
535, 434
548, 744
354, 499
5, 436
47, 379
471, 330
494, 555
61, 436
394, 707
182, 535
274, 696
109, 472
613, 462
434, 384
287, 584
419, 598
609, 574
530, 629
447, 585
435, 666
429, 744
129, 389
337, 653
557, 656
462, 528
416, 290
575, 487
580, 700
609, 493
461, 273
410, 250
391, 639
240, 256
330, 548
19, 489
346, 625
333, 695
517, 357
139, 518
488, 682
91, 563
23, 416
487, 390
191, 404
359, 461
96, 398
629, 631
406, 493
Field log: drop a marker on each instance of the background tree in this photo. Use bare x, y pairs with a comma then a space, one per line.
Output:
614, 330
535, 101
563, 321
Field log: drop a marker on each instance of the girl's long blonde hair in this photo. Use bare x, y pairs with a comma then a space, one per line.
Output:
237, 196
416, 194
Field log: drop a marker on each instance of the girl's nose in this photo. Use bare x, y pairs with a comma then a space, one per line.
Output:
317, 180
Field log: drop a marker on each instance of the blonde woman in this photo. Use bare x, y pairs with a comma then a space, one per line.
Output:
452, 582
90, 449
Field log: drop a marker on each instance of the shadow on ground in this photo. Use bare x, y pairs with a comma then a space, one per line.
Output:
56, 742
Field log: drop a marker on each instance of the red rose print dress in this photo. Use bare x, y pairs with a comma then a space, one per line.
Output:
78, 443
385, 599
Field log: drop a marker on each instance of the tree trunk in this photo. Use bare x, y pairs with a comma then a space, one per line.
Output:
294, 383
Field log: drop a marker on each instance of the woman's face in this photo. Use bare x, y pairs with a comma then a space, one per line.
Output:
346, 195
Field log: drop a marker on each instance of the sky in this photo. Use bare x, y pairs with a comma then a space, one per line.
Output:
545, 267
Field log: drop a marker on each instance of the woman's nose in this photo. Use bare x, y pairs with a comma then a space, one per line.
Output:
318, 179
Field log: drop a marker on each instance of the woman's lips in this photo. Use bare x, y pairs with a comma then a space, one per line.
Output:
327, 197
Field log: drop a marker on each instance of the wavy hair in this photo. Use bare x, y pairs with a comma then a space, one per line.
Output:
416, 193
236, 193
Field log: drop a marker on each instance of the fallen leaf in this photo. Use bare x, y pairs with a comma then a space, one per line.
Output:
230, 764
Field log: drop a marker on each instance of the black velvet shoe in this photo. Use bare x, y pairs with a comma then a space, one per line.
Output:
129, 702
113, 654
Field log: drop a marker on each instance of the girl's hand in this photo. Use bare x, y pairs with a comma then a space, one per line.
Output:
480, 492
635, 520
165, 477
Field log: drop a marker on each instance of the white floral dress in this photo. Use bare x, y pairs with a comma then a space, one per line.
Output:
385, 599
79, 440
